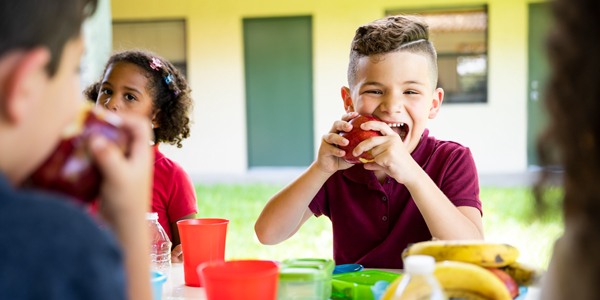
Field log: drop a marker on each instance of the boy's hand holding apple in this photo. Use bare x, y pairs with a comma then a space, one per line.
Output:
374, 144
389, 152
330, 157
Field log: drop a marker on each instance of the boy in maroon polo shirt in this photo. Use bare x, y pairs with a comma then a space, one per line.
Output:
417, 188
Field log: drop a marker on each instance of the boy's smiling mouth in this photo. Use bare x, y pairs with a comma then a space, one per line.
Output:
400, 128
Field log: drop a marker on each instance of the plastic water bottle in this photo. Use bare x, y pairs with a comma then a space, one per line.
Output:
160, 249
418, 282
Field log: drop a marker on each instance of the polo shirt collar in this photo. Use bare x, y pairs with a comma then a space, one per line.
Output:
157, 154
421, 155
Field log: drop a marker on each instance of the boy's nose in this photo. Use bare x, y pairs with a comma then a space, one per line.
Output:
392, 105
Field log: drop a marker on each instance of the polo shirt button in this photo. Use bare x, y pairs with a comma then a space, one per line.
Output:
388, 181
384, 218
384, 198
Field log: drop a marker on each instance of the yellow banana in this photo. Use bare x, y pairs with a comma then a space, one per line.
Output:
469, 281
485, 254
524, 274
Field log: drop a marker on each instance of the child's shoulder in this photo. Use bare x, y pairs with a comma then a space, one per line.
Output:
165, 164
448, 149
166, 168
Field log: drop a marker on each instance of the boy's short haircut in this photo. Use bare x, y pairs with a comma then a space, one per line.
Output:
25, 24
392, 34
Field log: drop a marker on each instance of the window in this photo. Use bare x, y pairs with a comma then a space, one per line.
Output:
460, 39
165, 38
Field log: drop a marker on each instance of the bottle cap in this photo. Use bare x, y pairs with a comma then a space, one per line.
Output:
151, 216
419, 264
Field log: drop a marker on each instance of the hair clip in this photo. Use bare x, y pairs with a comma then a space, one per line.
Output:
155, 64
176, 93
169, 79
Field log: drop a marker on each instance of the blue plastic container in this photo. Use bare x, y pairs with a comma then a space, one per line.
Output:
157, 279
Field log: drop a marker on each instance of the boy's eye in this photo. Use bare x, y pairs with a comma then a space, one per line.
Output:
411, 92
106, 91
130, 97
374, 92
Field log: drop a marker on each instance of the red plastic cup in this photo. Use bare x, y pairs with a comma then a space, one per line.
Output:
202, 240
242, 279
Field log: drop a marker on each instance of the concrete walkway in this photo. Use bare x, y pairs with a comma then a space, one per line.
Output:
282, 176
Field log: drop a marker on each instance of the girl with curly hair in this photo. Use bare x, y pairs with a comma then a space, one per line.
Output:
144, 83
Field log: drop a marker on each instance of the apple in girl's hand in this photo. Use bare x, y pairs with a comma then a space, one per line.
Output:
355, 137
70, 169
511, 284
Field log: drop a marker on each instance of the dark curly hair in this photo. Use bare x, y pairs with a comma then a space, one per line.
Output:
394, 33
173, 99
572, 139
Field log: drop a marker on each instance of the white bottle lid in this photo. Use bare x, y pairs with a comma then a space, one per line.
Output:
419, 264
151, 216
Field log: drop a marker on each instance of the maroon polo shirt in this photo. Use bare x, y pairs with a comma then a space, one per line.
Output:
373, 222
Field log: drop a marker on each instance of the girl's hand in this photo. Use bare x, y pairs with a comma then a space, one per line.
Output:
177, 254
329, 159
391, 155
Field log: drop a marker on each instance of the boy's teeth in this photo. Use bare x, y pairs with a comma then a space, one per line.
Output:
396, 124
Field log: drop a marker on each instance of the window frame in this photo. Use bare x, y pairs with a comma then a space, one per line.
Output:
161, 20
455, 9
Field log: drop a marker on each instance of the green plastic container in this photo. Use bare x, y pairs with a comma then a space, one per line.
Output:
305, 278
321, 263
357, 285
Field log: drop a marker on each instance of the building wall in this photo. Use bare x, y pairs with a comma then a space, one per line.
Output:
495, 131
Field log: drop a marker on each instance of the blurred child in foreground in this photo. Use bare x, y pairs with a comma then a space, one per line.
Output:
51, 249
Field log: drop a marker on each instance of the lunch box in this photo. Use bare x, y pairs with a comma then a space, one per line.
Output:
305, 278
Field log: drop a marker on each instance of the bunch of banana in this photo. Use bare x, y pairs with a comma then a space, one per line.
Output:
524, 274
485, 254
461, 268
468, 281
459, 280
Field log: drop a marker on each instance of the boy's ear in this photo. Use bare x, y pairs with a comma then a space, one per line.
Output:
23, 77
348, 106
438, 97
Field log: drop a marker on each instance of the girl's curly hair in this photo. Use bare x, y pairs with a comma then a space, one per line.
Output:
572, 139
173, 98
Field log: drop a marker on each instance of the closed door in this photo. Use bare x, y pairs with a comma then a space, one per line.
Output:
278, 70
539, 25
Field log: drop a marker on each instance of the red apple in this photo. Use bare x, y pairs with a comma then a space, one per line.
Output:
355, 137
511, 284
70, 169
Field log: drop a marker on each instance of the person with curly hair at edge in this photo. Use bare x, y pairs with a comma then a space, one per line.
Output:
572, 140
146, 84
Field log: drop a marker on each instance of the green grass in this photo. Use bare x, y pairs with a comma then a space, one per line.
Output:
509, 217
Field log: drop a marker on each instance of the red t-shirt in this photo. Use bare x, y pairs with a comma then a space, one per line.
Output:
173, 194
372, 222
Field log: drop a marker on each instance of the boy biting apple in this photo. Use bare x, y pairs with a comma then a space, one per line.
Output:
417, 188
